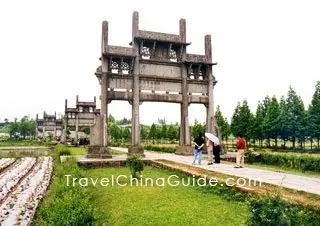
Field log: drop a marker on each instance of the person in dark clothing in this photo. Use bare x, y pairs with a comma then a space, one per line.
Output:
216, 152
198, 143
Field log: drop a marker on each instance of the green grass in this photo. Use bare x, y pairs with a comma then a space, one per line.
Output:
21, 143
166, 205
82, 151
77, 150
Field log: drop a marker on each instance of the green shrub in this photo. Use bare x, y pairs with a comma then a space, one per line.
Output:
62, 149
251, 157
65, 152
135, 164
160, 148
273, 211
67, 205
303, 162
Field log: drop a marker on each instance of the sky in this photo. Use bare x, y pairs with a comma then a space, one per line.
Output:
49, 51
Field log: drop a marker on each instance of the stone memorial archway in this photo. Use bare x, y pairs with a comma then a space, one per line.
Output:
155, 68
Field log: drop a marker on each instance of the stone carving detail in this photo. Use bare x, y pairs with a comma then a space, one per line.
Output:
145, 52
114, 67
173, 55
125, 68
196, 72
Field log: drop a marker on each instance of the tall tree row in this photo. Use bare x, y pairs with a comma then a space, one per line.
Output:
279, 120
313, 115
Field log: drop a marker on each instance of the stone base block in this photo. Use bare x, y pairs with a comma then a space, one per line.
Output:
98, 152
184, 150
136, 150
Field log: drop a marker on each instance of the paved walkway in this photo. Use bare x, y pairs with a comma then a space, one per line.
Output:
307, 184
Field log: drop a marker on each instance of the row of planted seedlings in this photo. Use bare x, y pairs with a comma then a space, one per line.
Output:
23, 183
5, 162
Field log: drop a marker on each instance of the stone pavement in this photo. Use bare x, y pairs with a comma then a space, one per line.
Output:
303, 183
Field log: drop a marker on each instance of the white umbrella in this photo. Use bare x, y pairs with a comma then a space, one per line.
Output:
213, 138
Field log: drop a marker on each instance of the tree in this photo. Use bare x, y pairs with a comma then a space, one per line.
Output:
114, 131
265, 105
24, 127
257, 131
124, 121
242, 121
296, 114
14, 128
173, 132
271, 121
223, 124
158, 133
283, 121
153, 132
164, 131
197, 128
125, 133
111, 118
144, 132
314, 115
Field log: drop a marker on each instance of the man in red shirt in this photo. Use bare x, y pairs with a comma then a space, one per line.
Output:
241, 146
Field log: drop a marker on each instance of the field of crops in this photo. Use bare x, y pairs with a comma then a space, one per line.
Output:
23, 182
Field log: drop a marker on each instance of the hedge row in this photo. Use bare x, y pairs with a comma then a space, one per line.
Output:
302, 162
160, 148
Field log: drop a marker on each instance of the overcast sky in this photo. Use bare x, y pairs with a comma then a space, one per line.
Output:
49, 50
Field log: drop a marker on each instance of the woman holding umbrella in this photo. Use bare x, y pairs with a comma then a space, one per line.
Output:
213, 146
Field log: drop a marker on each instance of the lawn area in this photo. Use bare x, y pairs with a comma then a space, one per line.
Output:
23, 143
82, 151
151, 205
78, 150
